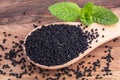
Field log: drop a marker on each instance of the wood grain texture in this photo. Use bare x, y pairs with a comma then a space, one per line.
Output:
13, 21
11, 11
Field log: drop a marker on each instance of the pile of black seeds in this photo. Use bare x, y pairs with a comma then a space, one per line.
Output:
56, 44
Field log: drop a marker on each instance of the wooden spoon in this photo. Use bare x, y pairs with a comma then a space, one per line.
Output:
110, 32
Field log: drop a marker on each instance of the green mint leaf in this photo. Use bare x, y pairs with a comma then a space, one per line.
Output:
66, 11
87, 20
86, 14
103, 16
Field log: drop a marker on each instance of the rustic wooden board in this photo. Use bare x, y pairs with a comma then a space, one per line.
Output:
11, 11
13, 21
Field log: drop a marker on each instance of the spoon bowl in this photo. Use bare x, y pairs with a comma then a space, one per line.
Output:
106, 33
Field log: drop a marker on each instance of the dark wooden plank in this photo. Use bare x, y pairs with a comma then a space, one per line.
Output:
12, 11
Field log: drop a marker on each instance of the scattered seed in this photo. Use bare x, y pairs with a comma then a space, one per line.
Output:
15, 37
35, 26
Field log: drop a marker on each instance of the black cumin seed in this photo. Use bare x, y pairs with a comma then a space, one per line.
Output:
2, 47
22, 60
109, 50
13, 42
103, 29
89, 62
90, 47
39, 21
110, 47
96, 78
96, 29
4, 32
35, 26
83, 66
83, 79
11, 70
105, 51
19, 56
100, 77
96, 41
4, 40
22, 54
102, 36
21, 41
106, 46
5, 35
89, 56
103, 74
110, 73
114, 40
6, 48
83, 27
15, 37
34, 68
63, 78
80, 24
36, 78
92, 30
93, 56
29, 74
9, 34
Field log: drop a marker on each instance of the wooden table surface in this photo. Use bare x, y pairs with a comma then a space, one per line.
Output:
17, 18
